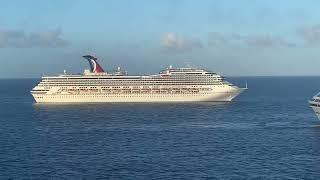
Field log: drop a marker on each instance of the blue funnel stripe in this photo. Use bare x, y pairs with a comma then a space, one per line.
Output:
89, 58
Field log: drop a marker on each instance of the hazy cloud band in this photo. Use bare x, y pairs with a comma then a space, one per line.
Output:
21, 39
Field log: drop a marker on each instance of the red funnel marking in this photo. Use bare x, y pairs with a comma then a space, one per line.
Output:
94, 65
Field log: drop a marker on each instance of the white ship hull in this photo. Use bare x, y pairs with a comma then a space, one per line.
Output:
101, 98
316, 110
170, 85
315, 104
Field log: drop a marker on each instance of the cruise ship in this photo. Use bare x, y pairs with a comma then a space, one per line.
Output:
170, 85
315, 104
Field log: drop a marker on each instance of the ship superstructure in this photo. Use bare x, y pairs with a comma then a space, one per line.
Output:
315, 104
170, 85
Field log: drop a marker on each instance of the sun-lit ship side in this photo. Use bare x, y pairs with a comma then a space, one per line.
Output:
315, 104
170, 85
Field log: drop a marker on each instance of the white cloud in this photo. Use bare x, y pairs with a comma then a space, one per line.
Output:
217, 39
20, 39
174, 43
310, 35
263, 40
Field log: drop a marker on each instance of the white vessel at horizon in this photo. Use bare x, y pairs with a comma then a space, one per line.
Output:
170, 85
315, 104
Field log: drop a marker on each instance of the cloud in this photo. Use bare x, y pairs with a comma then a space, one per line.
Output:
263, 41
21, 39
174, 43
310, 35
217, 39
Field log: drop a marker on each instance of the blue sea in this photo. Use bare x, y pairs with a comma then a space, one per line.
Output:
268, 132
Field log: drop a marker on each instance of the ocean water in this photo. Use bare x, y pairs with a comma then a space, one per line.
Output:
269, 132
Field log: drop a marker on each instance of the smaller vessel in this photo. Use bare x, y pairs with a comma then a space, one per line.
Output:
315, 104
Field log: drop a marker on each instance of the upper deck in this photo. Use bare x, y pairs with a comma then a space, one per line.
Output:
119, 74
171, 71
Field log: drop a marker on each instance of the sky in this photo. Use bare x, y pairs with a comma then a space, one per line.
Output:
234, 38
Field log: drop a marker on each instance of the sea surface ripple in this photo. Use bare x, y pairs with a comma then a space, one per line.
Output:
269, 132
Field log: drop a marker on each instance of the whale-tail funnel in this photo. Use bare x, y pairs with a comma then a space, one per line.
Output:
94, 65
